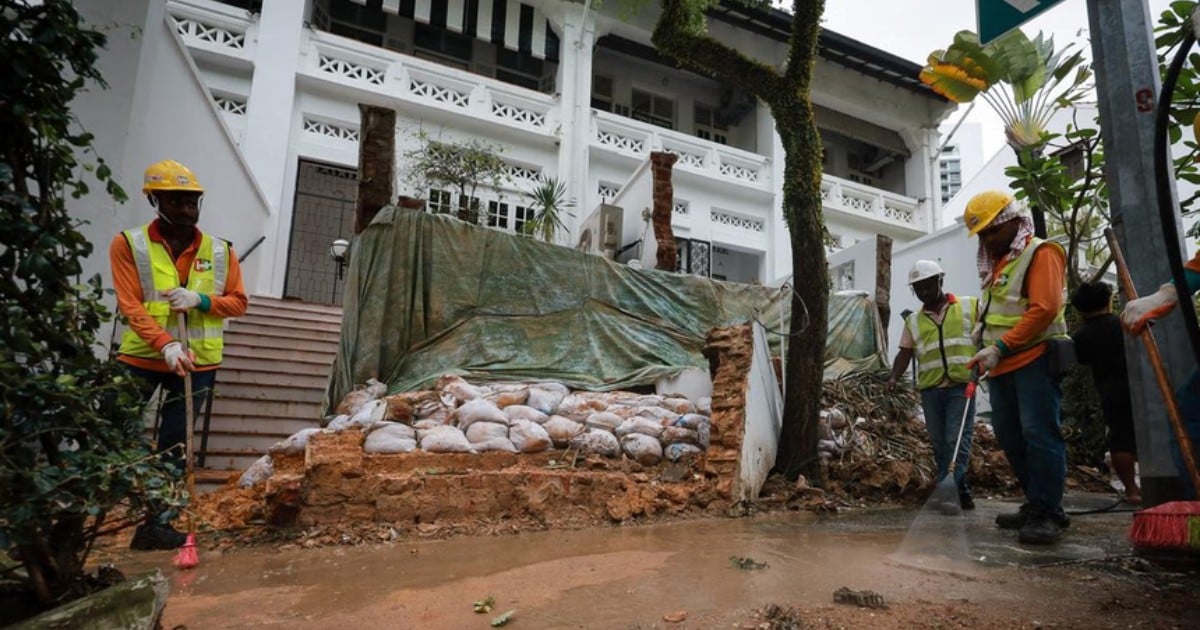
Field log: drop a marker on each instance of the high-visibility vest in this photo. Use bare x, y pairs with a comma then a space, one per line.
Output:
1005, 305
157, 273
943, 350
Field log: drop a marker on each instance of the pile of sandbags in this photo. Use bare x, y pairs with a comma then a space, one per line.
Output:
460, 417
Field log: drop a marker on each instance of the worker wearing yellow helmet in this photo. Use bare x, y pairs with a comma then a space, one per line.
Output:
1023, 353
162, 268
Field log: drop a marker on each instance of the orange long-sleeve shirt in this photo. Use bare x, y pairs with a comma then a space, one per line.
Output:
1044, 290
128, 286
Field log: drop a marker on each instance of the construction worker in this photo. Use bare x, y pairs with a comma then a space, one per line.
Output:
1100, 345
1135, 316
940, 338
165, 267
1021, 321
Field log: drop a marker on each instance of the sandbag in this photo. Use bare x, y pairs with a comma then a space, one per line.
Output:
501, 444
605, 420
561, 430
663, 416
444, 439
545, 400
644, 449
596, 442
428, 423
638, 424
679, 450
523, 412
399, 408
673, 435
351, 402
295, 443
392, 437
704, 405
257, 473
529, 437
370, 413
454, 390
482, 431
339, 424
679, 405
478, 410
434, 410
579, 407
508, 398
397, 428
690, 421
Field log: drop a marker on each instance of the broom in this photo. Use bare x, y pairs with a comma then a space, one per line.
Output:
187, 557
1174, 525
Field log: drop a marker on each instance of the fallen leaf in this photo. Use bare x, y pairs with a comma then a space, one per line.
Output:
675, 617
485, 605
503, 619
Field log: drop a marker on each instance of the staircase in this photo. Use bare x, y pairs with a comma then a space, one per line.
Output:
271, 382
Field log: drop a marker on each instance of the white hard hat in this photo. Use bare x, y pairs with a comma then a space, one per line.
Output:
923, 270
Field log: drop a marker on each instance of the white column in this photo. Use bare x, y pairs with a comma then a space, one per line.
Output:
779, 252
269, 119
577, 37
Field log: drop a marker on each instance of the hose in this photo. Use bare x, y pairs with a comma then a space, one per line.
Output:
1166, 208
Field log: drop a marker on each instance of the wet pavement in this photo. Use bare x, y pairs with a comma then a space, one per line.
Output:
630, 576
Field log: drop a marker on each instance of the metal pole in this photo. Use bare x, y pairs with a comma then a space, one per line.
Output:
1127, 86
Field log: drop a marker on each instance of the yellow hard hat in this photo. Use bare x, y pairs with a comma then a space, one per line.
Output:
984, 207
170, 175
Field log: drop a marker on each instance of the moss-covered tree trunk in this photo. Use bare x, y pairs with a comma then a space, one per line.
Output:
682, 34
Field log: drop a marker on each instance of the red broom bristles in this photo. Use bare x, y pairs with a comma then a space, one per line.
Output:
1174, 525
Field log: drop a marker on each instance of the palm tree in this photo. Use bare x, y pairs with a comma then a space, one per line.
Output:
549, 202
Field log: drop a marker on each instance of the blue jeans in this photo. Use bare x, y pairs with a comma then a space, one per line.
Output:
1188, 399
171, 439
1025, 416
943, 411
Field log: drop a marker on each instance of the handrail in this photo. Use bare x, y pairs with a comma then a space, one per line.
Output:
246, 254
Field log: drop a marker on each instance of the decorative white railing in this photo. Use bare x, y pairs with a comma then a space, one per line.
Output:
522, 174
348, 62
866, 201
231, 104
330, 130
212, 26
724, 217
637, 139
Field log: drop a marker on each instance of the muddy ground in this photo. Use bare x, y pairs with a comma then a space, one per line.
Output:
775, 570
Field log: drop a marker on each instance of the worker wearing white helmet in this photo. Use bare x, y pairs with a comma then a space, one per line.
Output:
939, 336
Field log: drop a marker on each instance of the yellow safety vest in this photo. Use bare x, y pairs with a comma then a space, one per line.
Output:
943, 350
1005, 305
157, 273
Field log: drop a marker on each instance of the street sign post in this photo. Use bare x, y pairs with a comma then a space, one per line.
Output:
997, 17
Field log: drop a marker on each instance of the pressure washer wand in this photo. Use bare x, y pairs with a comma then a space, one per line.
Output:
962, 423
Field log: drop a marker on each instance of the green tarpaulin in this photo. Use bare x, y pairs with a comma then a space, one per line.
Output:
428, 295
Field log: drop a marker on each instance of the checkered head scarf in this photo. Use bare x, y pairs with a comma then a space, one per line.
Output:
984, 260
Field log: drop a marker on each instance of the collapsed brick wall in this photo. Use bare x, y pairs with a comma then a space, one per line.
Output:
334, 481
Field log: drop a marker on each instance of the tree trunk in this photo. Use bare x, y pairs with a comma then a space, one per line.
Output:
376, 163
883, 280
667, 258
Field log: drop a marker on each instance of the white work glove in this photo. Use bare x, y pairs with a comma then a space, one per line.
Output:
985, 359
1141, 311
181, 299
180, 361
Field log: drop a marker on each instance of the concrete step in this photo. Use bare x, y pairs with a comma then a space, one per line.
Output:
268, 393
298, 327
296, 305
290, 329
265, 364
295, 310
268, 378
229, 405
262, 425
282, 342
308, 358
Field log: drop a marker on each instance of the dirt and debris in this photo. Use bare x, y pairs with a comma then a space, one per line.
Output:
862, 599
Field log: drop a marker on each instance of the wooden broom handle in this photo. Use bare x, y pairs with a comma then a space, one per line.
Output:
1160, 372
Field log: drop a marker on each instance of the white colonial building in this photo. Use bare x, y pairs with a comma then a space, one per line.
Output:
260, 98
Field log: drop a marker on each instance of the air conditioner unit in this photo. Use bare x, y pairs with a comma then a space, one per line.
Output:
600, 233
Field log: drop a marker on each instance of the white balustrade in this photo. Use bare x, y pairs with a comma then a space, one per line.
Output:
866, 201
212, 27
724, 217
330, 130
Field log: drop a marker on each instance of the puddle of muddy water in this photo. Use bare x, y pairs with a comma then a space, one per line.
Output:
607, 577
